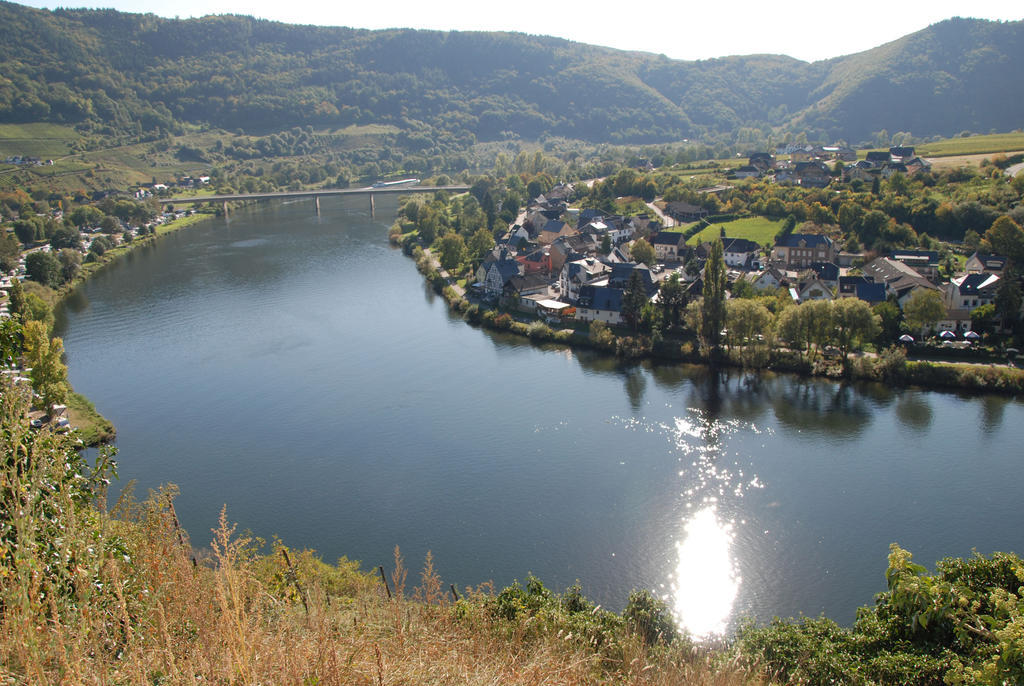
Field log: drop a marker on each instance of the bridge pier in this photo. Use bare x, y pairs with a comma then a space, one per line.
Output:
316, 200
225, 208
372, 208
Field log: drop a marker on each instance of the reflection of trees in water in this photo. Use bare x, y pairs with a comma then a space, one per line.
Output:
913, 411
882, 395
636, 384
992, 408
674, 376
822, 407
731, 393
75, 302
633, 373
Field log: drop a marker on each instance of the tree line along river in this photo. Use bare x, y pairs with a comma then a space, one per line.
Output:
296, 369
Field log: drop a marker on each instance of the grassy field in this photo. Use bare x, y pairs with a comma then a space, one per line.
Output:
44, 141
758, 229
974, 145
953, 161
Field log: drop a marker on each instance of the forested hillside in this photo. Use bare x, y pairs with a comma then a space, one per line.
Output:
145, 76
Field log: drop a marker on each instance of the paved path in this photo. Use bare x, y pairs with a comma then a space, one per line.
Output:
666, 220
1015, 169
447, 277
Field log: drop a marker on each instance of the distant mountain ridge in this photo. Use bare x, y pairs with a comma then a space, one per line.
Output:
131, 72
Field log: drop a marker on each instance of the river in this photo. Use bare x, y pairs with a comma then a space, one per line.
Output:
296, 370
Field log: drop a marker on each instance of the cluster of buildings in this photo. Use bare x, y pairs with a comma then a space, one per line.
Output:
151, 189
26, 161
811, 166
581, 269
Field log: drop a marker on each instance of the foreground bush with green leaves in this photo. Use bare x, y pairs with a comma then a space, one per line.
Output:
962, 625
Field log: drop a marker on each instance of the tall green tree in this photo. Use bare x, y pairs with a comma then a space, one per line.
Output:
452, 249
923, 309
633, 300
70, 263
749, 327
480, 243
673, 300
16, 301
44, 268
1005, 237
45, 356
642, 251
854, 323
713, 305
1008, 298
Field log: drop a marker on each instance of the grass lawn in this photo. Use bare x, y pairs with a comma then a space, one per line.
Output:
679, 228
93, 428
761, 230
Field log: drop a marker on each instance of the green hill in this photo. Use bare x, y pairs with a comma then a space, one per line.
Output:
144, 76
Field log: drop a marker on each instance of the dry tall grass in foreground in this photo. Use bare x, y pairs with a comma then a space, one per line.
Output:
94, 598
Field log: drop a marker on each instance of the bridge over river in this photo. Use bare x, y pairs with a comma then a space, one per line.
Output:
315, 194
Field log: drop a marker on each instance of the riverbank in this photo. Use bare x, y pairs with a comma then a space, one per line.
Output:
891, 366
92, 427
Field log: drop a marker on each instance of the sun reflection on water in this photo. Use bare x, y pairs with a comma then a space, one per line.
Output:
706, 582
716, 470
713, 476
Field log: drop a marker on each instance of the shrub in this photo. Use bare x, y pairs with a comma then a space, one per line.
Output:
539, 331
649, 618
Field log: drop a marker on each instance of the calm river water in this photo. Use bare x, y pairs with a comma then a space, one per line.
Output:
296, 370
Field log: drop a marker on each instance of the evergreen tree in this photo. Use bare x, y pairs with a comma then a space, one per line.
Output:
713, 307
17, 303
634, 299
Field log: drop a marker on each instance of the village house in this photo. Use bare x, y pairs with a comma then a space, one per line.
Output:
668, 246
891, 168
901, 153
538, 260
496, 271
871, 293
878, 158
740, 253
838, 152
847, 286
518, 288
899, 279
802, 249
770, 278
861, 171
746, 172
924, 262
600, 303
571, 248
579, 273
971, 291
685, 212
954, 320
990, 264
515, 235
812, 289
762, 161
826, 272
621, 274
785, 177
918, 165
813, 174
555, 229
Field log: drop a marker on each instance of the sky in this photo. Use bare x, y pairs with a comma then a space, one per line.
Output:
805, 29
